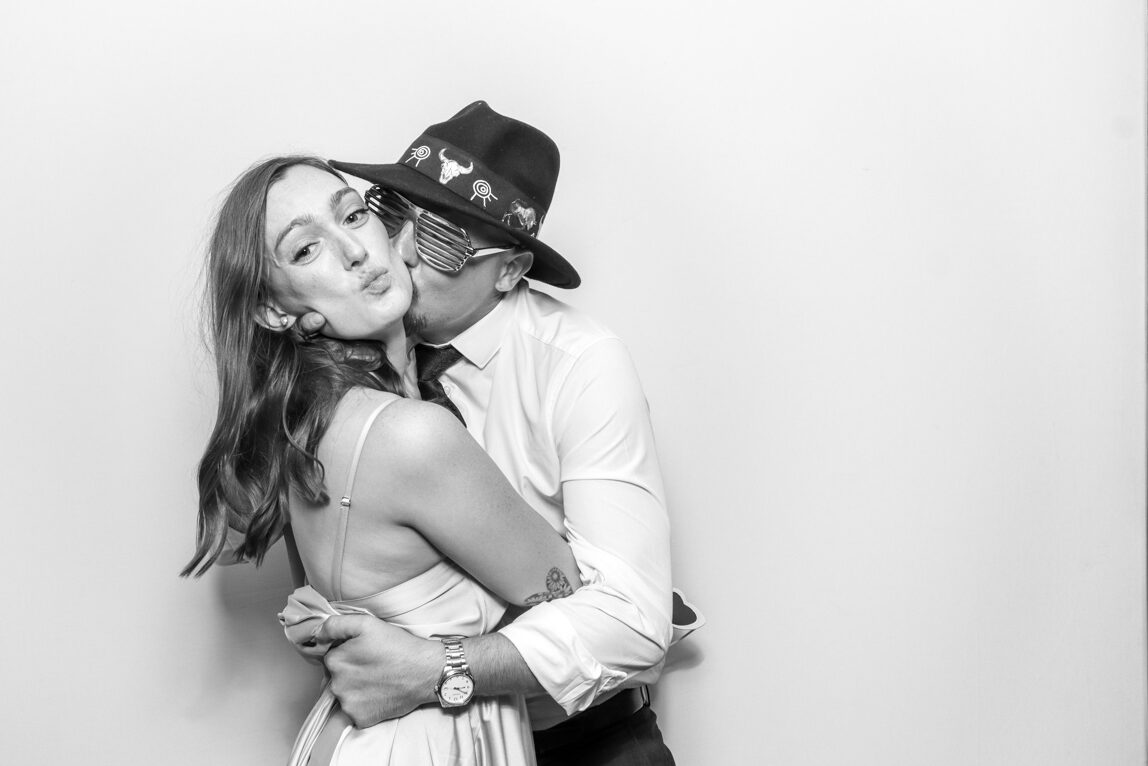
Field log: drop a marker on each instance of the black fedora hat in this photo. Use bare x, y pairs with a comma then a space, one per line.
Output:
486, 167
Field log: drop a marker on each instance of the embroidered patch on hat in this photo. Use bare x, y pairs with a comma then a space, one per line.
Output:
418, 154
521, 217
483, 191
451, 169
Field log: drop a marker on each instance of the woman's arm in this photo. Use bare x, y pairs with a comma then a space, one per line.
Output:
429, 474
435, 478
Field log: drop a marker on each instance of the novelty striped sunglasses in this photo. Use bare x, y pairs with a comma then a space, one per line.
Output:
441, 244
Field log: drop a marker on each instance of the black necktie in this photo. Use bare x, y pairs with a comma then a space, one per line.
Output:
433, 362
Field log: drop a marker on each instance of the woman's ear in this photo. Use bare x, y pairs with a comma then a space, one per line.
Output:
514, 265
273, 318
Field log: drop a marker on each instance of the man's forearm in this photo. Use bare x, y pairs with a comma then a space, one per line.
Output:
379, 671
498, 667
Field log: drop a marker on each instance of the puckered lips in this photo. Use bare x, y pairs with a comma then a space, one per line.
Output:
377, 283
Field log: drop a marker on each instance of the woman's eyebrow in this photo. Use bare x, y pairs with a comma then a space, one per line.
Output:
303, 220
337, 197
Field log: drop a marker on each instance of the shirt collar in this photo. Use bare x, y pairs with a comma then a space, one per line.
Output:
479, 342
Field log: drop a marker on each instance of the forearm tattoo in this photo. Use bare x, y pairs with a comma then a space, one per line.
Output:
557, 586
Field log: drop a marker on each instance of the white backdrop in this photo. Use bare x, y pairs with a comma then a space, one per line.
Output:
881, 266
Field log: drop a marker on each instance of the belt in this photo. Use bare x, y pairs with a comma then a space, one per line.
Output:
618, 708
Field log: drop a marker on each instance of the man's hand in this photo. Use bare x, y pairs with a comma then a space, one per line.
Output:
311, 323
379, 671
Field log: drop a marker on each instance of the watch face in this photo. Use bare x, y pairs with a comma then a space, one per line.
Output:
457, 690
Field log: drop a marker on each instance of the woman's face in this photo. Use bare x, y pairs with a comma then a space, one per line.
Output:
331, 255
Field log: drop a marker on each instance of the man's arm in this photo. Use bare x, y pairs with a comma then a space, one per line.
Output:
615, 630
612, 631
380, 671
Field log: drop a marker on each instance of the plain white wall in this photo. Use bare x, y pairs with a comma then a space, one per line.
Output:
882, 268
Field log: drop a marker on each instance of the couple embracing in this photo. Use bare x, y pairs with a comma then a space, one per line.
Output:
463, 468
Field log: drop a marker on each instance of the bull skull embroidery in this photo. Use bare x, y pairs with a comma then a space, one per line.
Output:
451, 169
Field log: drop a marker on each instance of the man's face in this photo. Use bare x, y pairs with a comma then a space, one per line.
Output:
446, 304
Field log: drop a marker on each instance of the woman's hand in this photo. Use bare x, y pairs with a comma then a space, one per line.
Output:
378, 671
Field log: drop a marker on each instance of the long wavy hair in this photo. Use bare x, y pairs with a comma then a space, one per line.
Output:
277, 390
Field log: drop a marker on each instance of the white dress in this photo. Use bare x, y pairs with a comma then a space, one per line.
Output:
443, 601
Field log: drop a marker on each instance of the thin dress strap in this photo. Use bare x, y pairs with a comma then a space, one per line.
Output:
345, 504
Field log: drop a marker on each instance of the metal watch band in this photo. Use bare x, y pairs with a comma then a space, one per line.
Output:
455, 656
455, 687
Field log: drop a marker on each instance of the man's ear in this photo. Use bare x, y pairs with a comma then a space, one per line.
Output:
404, 241
514, 265
273, 318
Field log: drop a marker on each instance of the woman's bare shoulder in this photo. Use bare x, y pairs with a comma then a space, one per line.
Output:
406, 452
411, 431
405, 435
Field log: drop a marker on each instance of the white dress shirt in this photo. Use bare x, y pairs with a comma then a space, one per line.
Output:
554, 399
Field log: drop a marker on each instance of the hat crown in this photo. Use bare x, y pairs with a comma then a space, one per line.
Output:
519, 153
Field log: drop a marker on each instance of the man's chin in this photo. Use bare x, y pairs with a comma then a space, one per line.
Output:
415, 323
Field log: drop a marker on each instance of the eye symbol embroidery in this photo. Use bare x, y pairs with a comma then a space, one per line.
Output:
483, 191
418, 154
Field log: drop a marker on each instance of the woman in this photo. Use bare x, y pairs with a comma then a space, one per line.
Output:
296, 417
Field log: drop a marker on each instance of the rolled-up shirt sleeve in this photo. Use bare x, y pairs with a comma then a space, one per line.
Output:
613, 631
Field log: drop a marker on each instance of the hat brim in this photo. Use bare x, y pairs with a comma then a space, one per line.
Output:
548, 267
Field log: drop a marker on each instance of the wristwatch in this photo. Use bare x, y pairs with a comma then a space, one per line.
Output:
455, 687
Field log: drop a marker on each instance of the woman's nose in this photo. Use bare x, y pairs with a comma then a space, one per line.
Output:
354, 252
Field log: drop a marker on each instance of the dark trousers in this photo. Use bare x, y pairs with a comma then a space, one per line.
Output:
616, 736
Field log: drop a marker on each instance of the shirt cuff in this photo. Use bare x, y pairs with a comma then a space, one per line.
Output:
566, 670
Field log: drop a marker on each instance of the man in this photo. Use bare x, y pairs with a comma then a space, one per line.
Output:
554, 399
